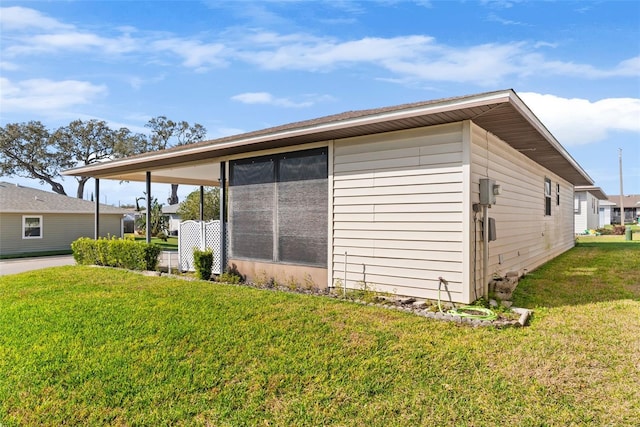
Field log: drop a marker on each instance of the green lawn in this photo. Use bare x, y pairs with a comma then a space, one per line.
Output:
170, 244
96, 346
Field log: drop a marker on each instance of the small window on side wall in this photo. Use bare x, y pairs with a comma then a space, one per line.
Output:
557, 194
547, 196
32, 226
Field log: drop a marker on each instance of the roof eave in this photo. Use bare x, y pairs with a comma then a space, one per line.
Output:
335, 129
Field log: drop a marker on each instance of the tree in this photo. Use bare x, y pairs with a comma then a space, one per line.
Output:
29, 150
190, 208
158, 220
166, 133
26, 151
86, 143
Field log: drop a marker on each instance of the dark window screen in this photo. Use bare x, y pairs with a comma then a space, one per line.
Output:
302, 208
251, 200
280, 199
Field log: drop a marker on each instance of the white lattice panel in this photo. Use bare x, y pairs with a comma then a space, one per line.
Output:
201, 235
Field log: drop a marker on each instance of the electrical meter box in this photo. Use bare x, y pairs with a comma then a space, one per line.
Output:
488, 191
492, 229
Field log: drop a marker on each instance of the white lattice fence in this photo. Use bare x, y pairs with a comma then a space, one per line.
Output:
201, 235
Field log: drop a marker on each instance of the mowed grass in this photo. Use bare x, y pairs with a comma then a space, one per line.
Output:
97, 346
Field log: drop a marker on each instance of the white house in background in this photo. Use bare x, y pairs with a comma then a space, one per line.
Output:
586, 208
170, 213
33, 220
173, 219
605, 212
387, 197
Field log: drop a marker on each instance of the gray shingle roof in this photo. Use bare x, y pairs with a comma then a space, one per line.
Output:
19, 199
629, 200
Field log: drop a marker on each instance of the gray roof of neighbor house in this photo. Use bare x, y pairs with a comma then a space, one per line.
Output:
502, 113
630, 200
15, 198
596, 191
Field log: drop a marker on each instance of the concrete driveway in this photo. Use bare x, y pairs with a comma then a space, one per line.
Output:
19, 265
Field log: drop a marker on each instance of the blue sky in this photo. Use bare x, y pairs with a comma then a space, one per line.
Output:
240, 66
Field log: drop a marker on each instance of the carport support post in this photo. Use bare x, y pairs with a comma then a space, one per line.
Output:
148, 213
201, 203
222, 202
96, 227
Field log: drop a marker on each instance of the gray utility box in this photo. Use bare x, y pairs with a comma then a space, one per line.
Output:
488, 191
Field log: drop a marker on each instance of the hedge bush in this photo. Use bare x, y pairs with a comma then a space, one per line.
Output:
203, 261
115, 252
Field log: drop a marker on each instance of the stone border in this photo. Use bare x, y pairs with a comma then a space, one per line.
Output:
419, 308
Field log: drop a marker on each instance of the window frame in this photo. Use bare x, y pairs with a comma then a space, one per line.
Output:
547, 196
279, 177
24, 227
557, 194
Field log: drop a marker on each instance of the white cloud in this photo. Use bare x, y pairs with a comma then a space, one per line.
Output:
8, 66
268, 99
304, 53
72, 41
575, 121
46, 95
405, 59
21, 18
419, 58
195, 54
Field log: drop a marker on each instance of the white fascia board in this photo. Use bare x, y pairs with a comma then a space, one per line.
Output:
447, 105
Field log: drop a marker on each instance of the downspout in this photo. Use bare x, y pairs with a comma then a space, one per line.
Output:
96, 227
148, 213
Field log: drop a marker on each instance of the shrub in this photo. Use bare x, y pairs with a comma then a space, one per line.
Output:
203, 261
151, 252
162, 236
605, 231
231, 275
230, 278
115, 252
618, 230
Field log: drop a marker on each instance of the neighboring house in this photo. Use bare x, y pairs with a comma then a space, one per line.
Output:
173, 219
605, 213
34, 220
631, 208
170, 213
586, 207
385, 198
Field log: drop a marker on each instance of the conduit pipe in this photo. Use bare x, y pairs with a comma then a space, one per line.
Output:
485, 250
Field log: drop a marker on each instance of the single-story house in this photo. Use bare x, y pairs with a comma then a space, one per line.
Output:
631, 204
33, 220
586, 207
604, 217
391, 198
170, 213
173, 219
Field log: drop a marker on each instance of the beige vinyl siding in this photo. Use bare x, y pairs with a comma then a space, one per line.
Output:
398, 211
58, 231
526, 237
